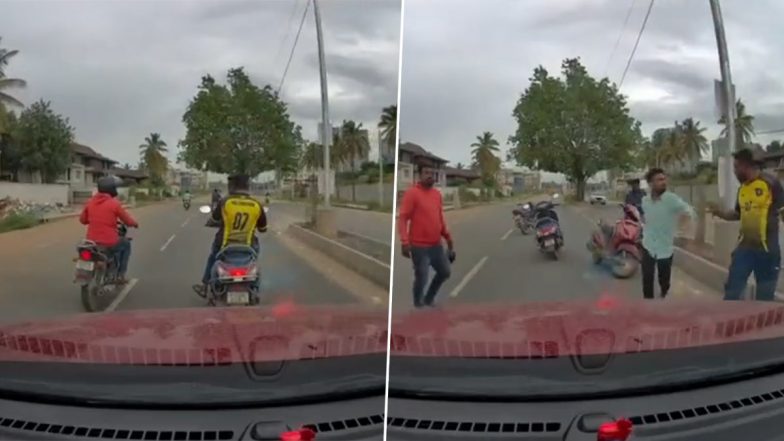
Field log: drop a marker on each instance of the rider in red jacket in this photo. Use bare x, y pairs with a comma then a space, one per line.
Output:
101, 214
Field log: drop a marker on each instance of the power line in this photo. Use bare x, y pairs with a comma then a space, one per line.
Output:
294, 46
292, 14
620, 35
639, 35
767, 132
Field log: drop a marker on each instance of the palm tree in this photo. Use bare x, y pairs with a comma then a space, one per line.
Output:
744, 125
313, 156
354, 144
460, 166
153, 157
388, 126
694, 142
485, 159
7, 83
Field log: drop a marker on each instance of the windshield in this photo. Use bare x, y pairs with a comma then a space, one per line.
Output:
594, 113
172, 225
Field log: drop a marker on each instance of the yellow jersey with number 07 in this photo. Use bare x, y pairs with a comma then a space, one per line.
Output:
241, 215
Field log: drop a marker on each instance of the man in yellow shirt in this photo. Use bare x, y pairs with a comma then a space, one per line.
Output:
759, 205
238, 217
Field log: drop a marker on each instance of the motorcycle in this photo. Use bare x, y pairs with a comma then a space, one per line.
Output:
96, 271
186, 204
235, 274
523, 218
548, 229
619, 244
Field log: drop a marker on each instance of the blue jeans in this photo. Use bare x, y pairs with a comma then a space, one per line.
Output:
207, 276
122, 252
423, 258
764, 265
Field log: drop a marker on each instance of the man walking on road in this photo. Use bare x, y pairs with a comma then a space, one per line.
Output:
758, 207
421, 227
663, 209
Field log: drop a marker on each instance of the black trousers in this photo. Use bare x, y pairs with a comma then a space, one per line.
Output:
649, 267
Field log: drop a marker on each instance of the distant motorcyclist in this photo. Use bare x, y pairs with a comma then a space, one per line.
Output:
238, 217
216, 197
101, 214
635, 194
186, 197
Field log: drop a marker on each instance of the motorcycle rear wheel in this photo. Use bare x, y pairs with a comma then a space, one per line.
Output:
624, 266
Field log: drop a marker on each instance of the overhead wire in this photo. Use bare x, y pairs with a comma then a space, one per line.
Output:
620, 36
288, 22
636, 43
294, 46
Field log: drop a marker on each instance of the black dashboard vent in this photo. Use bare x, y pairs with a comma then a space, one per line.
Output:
353, 423
475, 426
83, 432
710, 409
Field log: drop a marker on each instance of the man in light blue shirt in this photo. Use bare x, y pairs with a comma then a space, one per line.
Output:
663, 210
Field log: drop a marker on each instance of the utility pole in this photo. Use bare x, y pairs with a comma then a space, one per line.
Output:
326, 126
380, 170
727, 185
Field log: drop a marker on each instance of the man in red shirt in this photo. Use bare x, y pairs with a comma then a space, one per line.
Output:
101, 214
421, 227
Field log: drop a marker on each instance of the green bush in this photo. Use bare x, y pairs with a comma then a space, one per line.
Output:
18, 221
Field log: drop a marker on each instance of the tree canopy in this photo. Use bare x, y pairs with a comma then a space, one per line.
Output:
388, 126
239, 128
573, 125
6, 83
40, 140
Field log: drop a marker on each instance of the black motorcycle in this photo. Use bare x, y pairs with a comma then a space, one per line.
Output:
548, 229
523, 218
96, 272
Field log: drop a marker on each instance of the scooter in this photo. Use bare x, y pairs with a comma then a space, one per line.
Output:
619, 244
186, 204
548, 229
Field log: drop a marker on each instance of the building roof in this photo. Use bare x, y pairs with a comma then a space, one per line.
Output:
83, 150
418, 150
130, 173
465, 173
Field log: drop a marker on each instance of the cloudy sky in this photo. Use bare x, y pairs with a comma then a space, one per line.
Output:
465, 62
122, 69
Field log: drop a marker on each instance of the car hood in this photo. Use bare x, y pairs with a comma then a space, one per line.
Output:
199, 336
607, 325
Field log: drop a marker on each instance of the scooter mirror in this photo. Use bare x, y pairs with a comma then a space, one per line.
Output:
205, 209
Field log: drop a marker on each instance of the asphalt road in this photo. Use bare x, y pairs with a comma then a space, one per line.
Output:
496, 263
169, 253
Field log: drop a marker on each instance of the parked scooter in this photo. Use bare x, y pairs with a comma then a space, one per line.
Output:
619, 244
523, 218
548, 229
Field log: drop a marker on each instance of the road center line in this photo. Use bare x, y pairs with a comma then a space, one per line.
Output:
467, 278
188, 219
166, 244
508, 233
123, 294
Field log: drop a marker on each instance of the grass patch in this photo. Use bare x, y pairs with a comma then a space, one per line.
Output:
18, 221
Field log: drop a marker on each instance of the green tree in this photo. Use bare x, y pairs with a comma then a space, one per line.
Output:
744, 125
774, 147
153, 156
388, 126
239, 128
460, 166
484, 158
694, 142
354, 144
574, 125
5, 84
312, 156
42, 139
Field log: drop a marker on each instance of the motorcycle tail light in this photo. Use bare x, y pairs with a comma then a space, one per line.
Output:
298, 435
86, 255
238, 272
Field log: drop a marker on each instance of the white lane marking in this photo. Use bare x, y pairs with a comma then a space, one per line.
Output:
508, 233
186, 222
123, 294
166, 244
467, 278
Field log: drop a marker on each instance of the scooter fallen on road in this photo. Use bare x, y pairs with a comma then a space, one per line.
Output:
619, 244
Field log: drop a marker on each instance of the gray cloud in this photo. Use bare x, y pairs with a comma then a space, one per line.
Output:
122, 69
465, 62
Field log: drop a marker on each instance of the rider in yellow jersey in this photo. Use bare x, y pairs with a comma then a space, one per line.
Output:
238, 216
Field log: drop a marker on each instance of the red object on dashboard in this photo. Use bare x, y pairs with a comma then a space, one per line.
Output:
619, 430
298, 435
